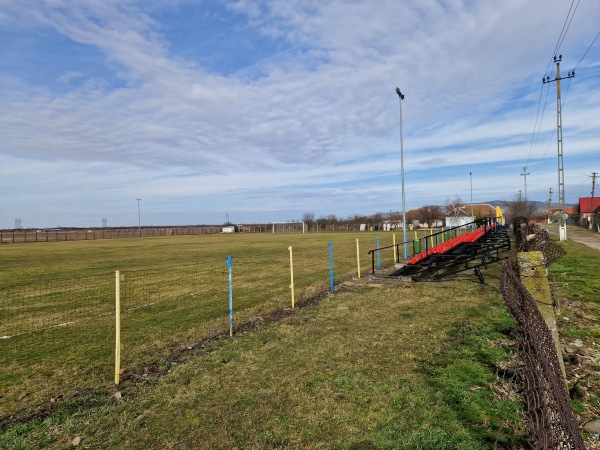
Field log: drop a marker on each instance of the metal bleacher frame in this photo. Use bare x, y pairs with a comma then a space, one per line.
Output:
481, 243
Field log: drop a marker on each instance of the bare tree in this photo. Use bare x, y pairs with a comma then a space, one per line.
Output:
430, 214
309, 219
332, 219
455, 207
377, 218
520, 207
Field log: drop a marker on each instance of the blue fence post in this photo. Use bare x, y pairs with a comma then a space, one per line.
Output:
378, 253
229, 264
331, 284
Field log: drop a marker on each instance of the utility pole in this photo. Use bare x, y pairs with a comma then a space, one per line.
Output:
520, 196
524, 174
593, 176
561, 169
548, 206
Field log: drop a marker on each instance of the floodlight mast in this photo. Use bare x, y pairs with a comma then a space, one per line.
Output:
471, 180
405, 238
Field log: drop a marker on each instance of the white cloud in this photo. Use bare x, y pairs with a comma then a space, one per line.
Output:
471, 73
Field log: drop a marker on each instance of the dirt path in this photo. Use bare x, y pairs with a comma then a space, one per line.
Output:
583, 237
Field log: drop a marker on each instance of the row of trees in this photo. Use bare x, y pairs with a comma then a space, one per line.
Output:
454, 207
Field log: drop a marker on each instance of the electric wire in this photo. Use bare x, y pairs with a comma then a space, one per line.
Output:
568, 26
565, 28
563, 32
537, 115
537, 133
586, 52
560, 38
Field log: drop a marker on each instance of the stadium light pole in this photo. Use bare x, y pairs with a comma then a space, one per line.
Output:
139, 218
405, 238
471, 177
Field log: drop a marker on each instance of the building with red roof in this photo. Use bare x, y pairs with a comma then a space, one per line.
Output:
588, 206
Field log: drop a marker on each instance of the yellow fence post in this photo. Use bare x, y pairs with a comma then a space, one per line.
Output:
358, 258
395, 249
292, 276
117, 327
431, 237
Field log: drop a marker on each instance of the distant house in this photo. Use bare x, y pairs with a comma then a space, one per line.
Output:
569, 212
587, 207
469, 212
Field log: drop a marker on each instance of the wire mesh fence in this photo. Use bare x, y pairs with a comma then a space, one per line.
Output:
59, 336
550, 418
54, 337
39, 306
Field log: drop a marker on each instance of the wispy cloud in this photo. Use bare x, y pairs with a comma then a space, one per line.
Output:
290, 126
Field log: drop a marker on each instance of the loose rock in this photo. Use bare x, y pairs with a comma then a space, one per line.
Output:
592, 427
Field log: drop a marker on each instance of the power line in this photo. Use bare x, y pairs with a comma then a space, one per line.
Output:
560, 38
536, 128
586, 52
536, 132
568, 26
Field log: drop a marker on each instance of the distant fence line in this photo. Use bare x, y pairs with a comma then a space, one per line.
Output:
27, 236
84, 234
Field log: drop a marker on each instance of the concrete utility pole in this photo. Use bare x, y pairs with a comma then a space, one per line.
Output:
548, 206
593, 176
524, 174
561, 169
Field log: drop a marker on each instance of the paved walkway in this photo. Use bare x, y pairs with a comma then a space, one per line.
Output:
578, 235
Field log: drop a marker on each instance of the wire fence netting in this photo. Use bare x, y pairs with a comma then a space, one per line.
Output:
59, 336
551, 421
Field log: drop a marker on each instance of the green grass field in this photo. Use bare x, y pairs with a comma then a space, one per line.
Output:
374, 366
57, 300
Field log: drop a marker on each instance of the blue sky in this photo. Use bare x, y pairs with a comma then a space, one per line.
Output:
264, 110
